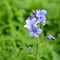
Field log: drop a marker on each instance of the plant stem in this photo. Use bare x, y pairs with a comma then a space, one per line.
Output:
37, 47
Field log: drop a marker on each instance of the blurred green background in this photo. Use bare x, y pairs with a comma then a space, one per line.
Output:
14, 38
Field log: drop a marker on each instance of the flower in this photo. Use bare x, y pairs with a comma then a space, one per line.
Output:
51, 37
41, 19
35, 31
36, 17
40, 12
32, 27
30, 22
40, 16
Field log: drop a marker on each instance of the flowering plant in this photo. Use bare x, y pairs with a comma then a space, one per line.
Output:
36, 17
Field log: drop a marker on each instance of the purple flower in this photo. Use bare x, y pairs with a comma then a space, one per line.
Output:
32, 27
35, 31
40, 16
40, 12
43, 12
37, 16
51, 37
41, 19
30, 22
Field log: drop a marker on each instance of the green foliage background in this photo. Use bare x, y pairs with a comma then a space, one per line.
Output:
14, 38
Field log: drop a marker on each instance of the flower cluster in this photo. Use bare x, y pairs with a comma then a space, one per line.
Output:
36, 17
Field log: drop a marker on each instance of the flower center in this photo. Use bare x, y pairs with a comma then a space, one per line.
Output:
34, 30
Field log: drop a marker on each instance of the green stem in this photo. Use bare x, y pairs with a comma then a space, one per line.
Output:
37, 47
